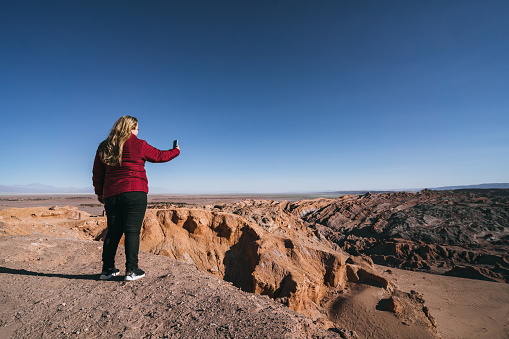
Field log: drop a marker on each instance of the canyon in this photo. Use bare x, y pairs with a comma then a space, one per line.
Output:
319, 257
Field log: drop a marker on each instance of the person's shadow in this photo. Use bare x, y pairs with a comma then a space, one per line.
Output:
56, 275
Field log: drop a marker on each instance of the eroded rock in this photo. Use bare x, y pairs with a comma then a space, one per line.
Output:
301, 271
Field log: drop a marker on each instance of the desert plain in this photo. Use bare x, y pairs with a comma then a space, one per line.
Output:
379, 265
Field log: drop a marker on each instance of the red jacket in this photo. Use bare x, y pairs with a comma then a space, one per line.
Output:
130, 176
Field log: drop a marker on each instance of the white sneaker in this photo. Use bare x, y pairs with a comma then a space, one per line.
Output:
110, 272
134, 275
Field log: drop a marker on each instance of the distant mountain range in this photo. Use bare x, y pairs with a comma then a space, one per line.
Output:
481, 186
444, 188
39, 188
46, 189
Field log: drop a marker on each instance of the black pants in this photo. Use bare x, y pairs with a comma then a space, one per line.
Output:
125, 213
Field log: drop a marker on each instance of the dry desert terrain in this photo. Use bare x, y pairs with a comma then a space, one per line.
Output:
255, 267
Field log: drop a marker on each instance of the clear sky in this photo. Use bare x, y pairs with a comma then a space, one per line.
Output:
264, 96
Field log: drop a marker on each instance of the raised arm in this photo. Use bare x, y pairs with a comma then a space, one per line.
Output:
152, 154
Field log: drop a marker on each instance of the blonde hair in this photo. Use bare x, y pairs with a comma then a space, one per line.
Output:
110, 150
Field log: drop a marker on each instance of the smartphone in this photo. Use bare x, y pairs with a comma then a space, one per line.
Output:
175, 143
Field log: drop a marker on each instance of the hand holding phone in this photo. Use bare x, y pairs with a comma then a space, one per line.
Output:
175, 143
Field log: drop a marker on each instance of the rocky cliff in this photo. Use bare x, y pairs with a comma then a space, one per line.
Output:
463, 233
284, 261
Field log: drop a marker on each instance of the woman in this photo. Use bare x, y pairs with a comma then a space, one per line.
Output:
120, 182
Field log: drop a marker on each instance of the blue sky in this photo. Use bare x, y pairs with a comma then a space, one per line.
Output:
264, 96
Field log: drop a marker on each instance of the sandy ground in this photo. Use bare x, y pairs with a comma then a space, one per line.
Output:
463, 308
50, 289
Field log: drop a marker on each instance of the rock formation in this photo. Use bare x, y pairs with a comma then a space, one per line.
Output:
430, 230
54, 221
284, 261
